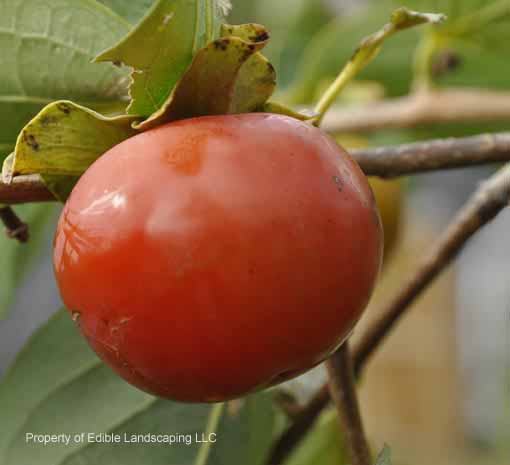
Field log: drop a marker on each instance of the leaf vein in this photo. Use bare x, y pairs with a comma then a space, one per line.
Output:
60, 385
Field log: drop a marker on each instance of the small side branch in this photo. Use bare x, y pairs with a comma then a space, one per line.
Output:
441, 154
303, 421
453, 105
25, 189
485, 204
385, 162
343, 392
14, 227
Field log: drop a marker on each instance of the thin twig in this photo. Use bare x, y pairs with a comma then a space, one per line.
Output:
24, 189
439, 106
287, 403
441, 154
485, 204
343, 392
303, 421
14, 227
385, 162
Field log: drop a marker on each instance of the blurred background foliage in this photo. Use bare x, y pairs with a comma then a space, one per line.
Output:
439, 391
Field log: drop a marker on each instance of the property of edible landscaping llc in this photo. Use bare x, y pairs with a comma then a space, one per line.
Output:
112, 438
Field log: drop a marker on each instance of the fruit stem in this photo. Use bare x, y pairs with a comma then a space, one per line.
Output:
211, 427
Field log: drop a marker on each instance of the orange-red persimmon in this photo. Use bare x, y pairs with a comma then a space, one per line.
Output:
215, 256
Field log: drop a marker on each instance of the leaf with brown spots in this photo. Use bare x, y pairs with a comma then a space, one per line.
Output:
228, 76
62, 141
162, 46
256, 80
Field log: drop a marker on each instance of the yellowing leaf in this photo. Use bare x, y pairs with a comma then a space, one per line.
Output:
256, 79
63, 140
161, 48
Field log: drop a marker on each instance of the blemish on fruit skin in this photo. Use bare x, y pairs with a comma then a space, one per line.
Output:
338, 182
76, 316
116, 327
187, 158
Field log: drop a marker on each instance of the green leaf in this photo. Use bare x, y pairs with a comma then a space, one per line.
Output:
216, 83
393, 68
15, 258
162, 46
63, 140
324, 445
46, 48
132, 10
293, 24
51, 390
384, 457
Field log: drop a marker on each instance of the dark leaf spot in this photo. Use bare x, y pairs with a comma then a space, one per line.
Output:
47, 120
221, 44
31, 141
260, 37
64, 108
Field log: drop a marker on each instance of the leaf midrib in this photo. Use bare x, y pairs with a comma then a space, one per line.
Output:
60, 385
118, 424
97, 364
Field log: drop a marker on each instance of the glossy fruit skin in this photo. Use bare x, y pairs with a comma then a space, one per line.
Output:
215, 256
388, 193
389, 197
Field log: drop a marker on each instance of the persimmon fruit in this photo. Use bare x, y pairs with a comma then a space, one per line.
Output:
215, 256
